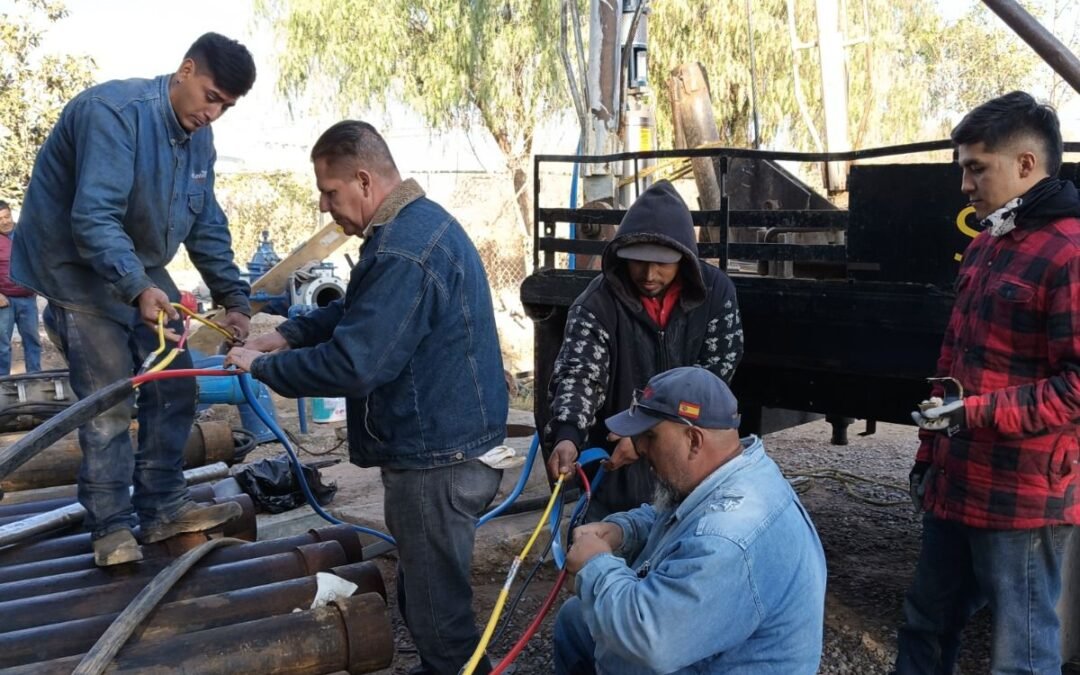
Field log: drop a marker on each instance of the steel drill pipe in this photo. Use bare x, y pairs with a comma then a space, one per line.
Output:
209, 442
343, 534
351, 634
70, 492
203, 492
58, 640
25, 508
99, 576
66, 516
244, 527
83, 602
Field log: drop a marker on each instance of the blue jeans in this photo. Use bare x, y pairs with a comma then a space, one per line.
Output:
99, 352
962, 569
574, 643
432, 514
24, 313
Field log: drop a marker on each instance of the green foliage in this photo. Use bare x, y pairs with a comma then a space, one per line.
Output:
454, 61
33, 89
285, 204
981, 52
885, 101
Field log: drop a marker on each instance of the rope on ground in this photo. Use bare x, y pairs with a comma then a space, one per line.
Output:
854, 484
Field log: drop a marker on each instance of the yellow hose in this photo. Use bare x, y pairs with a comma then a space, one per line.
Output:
489, 630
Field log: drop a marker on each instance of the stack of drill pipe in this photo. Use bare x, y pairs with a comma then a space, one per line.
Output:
56, 547
203, 492
70, 492
58, 640
92, 597
58, 464
46, 562
25, 529
351, 634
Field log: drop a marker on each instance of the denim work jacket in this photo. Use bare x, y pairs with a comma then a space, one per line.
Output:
412, 345
116, 188
731, 581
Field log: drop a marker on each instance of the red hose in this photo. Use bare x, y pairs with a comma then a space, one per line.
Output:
181, 372
519, 646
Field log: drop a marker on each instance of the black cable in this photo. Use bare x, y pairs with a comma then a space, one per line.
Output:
508, 616
243, 443
73, 417
313, 453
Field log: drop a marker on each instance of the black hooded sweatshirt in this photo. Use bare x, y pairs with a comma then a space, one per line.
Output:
611, 346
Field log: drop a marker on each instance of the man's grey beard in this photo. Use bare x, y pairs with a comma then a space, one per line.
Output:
666, 496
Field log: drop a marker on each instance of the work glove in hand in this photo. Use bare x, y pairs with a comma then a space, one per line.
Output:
915, 484
948, 417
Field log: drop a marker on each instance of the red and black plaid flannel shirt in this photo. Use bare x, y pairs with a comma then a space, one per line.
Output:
1013, 341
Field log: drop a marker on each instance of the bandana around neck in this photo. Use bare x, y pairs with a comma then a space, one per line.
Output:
1003, 221
1031, 208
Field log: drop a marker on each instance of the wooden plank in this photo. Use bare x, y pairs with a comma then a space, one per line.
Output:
321, 244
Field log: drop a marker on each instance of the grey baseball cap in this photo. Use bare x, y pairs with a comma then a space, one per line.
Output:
690, 395
657, 253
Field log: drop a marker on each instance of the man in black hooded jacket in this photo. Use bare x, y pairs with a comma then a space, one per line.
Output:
656, 306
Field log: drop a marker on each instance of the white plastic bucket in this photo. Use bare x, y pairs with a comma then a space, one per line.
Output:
325, 410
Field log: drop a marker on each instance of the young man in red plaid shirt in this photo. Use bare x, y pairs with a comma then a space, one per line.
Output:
996, 468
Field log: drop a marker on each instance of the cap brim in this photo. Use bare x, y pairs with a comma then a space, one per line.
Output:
649, 253
631, 423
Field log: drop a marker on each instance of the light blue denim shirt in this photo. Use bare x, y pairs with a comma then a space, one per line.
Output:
731, 581
116, 188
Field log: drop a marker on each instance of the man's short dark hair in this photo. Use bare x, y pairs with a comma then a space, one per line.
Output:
1006, 118
4, 206
227, 61
357, 142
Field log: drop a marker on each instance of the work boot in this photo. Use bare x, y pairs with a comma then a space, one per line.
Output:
116, 548
192, 517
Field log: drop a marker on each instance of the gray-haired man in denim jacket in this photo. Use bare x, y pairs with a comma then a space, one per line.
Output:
723, 573
413, 348
124, 178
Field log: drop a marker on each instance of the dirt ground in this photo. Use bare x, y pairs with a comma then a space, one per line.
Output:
870, 549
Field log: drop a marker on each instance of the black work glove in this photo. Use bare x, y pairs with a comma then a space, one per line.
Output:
948, 417
916, 488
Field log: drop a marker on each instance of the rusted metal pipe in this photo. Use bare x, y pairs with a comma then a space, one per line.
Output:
69, 492
55, 548
209, 442
343, 534
13, 533
96, 576
200, 493
58, 640
1046, 45
83, 602
351, 634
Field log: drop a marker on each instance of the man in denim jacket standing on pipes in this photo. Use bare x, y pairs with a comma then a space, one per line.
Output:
124, 178
413, 348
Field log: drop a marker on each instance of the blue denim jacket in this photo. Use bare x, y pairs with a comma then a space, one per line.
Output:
116, 188
412, 346
731, 581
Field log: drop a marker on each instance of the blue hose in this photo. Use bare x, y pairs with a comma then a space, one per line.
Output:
249, 394
294, 461
522, 480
